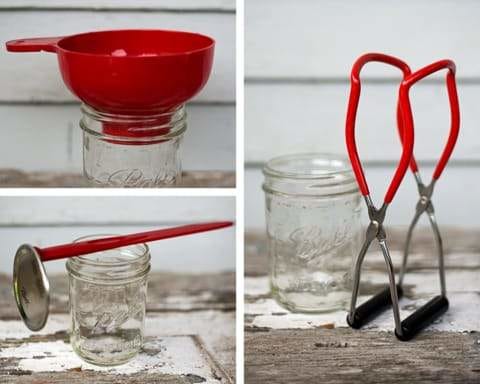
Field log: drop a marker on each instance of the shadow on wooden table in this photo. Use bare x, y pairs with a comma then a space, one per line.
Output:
285, 347
13, 178
190, 336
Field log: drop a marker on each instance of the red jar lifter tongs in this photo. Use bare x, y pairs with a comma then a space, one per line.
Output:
357, 317
30, 281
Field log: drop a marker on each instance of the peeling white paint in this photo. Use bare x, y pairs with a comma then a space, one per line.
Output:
179, 355
425, 282
215, 328
257, 286
463, 315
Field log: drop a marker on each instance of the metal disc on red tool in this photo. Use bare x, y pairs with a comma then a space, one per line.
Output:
31, 287
30, 281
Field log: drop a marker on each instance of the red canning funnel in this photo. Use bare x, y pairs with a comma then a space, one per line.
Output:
133, 72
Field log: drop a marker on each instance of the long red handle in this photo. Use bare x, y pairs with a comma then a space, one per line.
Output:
97, 245
404, 103
407, 138
36, 44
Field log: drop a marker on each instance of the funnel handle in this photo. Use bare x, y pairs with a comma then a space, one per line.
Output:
38, 44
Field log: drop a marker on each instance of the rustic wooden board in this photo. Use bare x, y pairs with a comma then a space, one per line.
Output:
285, 347
310, 117
138, 5
462, 250
190, 336
457, 180
323, 38
47, 137
167, 292
178, 359
98, 209
195, 179
36, 77
346, 356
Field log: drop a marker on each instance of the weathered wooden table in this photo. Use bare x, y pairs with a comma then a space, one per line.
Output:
283, 347
190, 336
192, 179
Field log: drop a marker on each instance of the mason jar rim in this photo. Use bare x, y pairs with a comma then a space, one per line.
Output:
142, 258
148, 128
273, 167
178, 113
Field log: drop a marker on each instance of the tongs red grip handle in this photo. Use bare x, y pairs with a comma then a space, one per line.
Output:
407, 133
407, 117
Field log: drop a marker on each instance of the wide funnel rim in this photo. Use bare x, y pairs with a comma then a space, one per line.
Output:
210, 44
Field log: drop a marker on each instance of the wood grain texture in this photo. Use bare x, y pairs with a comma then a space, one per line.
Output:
53, 358
190, 336
47, 137
15, 178
321, 39
310, 117
103, 209
347, 356
455, 195
166, 293
285, 347
461, 248
36, 77
132, 6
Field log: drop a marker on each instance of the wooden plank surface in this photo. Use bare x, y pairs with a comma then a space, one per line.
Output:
190, 336
73, 213
47, 137
36, 77
346, 356
298, 59
455, 195
320, 39
138, 5
285, 347
310, 117
20, 179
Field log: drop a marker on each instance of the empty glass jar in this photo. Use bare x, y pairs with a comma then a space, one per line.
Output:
314, 231
132, 150
107, 303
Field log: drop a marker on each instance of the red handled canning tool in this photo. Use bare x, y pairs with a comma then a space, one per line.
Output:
129, 71
30, 281
357, 317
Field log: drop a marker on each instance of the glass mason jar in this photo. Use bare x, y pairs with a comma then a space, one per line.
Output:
132, 150
314, 230
108, 293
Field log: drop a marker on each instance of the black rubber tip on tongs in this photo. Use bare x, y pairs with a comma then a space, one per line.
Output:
372, 307
423, 317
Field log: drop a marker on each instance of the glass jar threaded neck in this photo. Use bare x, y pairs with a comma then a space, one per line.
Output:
133, 150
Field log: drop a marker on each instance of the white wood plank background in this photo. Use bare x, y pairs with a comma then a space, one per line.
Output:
454, 198
290, 118
44, 221
48, 137
42, 115
298, 60
214, 328
35, 76
321, 39
177, 5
